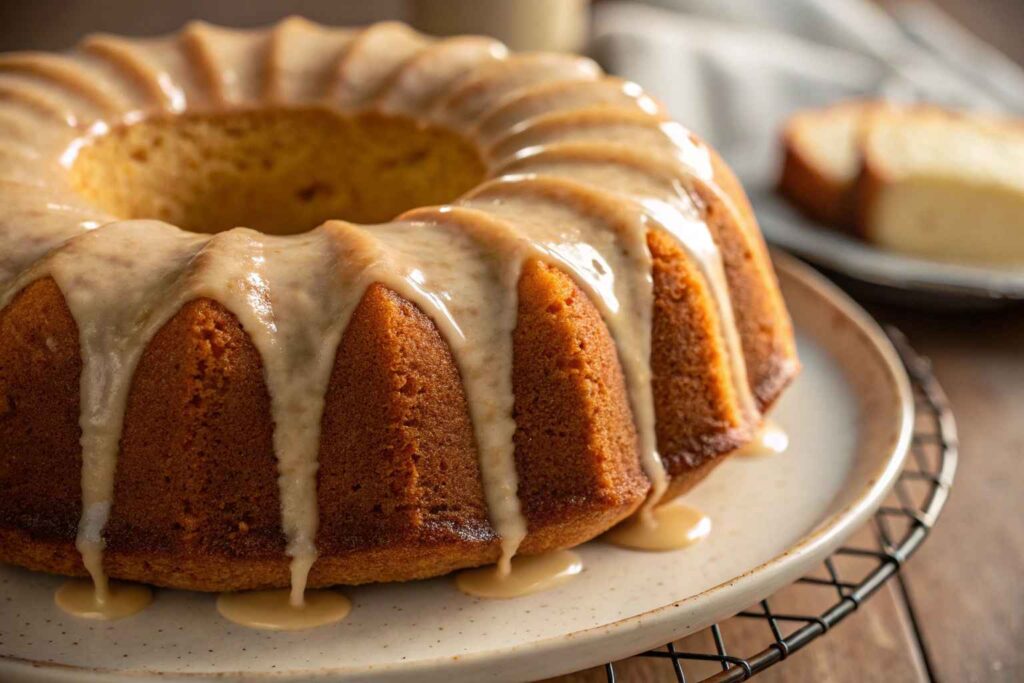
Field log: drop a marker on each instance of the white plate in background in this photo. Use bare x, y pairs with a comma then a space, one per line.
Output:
905, 277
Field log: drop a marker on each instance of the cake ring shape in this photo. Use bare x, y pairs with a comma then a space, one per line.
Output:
572, 314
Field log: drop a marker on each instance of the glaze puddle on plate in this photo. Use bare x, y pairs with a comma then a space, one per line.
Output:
529, 574
273, 610
79, 597
772, 518
672, 526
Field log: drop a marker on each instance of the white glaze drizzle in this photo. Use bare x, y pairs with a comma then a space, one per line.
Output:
423, 78
160, 66
662, 189
304, 59
605, 250
114, 324
490, 86
233, 61
518, 112
372, 58
77, 75
272, 284
474, 307
40, 99
294, 295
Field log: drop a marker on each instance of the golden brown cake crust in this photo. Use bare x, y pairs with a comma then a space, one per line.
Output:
698, 414
196, 503
819, 196
766, 332
762, 321
196, 479
40, 465
399, 487
576, 446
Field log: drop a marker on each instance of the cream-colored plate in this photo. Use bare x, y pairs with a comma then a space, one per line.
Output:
849, 418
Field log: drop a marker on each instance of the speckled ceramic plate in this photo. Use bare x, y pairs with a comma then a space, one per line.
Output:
848, 416
900, 278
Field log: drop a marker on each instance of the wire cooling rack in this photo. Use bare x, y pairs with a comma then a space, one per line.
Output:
806, 610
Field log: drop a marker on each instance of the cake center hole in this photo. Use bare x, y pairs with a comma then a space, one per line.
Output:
280, 171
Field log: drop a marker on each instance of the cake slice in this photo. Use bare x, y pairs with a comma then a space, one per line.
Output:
822, 160
943, 185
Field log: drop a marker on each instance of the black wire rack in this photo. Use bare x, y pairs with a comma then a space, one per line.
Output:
801, 613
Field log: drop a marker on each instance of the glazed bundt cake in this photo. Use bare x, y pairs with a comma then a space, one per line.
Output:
590, 323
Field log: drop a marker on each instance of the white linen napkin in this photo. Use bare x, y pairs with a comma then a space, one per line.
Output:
733, 70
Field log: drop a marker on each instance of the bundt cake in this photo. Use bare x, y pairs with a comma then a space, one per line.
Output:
590, 323
911, 178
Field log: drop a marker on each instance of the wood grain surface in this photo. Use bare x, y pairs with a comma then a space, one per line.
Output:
876, 639
966, 585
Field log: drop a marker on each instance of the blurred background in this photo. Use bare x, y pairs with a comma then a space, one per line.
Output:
56, 24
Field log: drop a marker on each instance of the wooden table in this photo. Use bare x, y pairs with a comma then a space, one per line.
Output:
957, 614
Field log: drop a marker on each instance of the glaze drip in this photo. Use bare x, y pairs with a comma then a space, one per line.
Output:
603, 246
583, 168
274, 610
